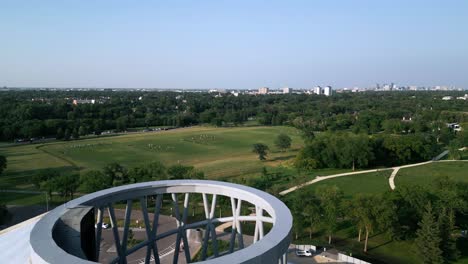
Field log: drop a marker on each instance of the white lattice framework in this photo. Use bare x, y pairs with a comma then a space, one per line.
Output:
266, 248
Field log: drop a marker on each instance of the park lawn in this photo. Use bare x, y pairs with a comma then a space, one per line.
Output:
426, 174
291, 177
372, 183
22, 199
220, 152
24, 161
464, 155
25, 199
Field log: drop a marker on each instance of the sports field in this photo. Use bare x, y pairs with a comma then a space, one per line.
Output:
219, 152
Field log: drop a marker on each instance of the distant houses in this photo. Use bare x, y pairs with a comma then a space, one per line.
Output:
327, 91
83, 101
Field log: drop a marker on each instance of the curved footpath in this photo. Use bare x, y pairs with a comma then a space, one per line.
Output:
322, 178
391, 180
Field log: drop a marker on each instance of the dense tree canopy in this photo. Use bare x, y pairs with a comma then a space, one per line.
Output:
347, 150
429, 216
33, 113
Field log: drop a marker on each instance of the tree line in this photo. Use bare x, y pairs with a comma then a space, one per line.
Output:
430, 216
33, 113
113, 174
348, 150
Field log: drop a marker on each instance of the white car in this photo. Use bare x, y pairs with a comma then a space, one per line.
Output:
303, 253
104, 225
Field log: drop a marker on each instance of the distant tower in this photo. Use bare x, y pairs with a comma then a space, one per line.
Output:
287, 90
263, 90
327, 91
318, 90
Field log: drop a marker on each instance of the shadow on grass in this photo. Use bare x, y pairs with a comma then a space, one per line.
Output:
282, 158
11, 180
380, 245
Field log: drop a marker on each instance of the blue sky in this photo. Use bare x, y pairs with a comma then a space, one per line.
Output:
233, 44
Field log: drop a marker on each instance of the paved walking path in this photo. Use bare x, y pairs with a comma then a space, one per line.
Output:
391, 180
322, 178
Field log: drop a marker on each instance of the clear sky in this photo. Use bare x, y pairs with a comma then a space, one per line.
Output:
233, 44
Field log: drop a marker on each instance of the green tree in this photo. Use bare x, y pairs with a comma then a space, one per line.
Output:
355, 151
371, 212
296, 203
3, 164
75, 134
454, 153
93, 181
42, 176
283, 142
60, 133
43, 180
178, 171
362, 209
82, 131
448, 245
312, 214
66, 184
117, 173
330, 199
428, 238
261, 150
150, 172
67, 134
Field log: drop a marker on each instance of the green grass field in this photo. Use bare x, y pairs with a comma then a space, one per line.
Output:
220, 152
374, 182
423, 175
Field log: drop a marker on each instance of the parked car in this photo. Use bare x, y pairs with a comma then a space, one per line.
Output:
303, 253
104, 225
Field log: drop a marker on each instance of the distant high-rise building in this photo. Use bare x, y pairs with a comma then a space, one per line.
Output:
317, 90
287, 90
263, 90
327, 90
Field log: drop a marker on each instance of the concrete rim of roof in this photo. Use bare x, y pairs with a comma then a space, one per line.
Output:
268, 249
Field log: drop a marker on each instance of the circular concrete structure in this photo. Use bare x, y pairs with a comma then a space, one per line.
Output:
67, 235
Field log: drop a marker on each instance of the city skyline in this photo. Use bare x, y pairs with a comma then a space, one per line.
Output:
241, 45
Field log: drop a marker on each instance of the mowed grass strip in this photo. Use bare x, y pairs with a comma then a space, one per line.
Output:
26, 160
